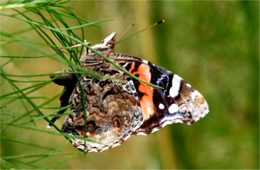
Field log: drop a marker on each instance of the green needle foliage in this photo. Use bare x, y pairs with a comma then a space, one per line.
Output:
48, 19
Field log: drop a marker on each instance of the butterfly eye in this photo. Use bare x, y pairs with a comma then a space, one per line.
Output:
116, 121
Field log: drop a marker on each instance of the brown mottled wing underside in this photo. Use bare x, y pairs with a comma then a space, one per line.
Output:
113, 112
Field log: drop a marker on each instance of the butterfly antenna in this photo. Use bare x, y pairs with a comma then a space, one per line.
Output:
126, 30
155, 24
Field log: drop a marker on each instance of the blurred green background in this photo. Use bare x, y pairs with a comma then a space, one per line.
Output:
212, 45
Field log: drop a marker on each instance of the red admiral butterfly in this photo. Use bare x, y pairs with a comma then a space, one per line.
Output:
117, 110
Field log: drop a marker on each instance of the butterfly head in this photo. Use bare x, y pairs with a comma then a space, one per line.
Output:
106, 47
107, 44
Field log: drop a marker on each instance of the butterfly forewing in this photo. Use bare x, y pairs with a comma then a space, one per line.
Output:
177, 102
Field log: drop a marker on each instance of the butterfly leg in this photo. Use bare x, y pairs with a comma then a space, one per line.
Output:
68, 81
79, 45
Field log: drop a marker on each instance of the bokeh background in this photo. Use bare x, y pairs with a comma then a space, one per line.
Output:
213, 45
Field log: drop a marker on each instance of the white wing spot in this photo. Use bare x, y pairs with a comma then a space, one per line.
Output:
145, 61
188, 85
161, 106
176, 82
173, 108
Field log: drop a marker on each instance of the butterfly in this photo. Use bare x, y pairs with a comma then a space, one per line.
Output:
107, 112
